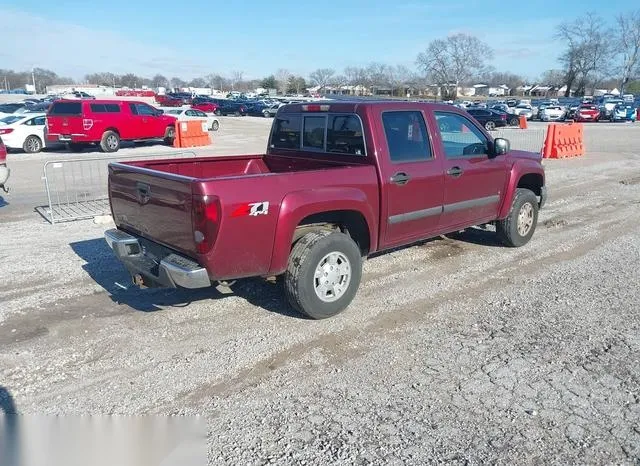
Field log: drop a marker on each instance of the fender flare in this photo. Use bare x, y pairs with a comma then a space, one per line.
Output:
298, 205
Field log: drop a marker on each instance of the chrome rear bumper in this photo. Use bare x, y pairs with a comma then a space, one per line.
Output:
162, 267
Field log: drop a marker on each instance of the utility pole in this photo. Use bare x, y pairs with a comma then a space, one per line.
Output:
33, 79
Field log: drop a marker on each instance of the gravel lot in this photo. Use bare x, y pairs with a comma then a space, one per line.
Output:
455, 350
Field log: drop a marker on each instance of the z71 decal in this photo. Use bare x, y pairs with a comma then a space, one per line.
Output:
253, 209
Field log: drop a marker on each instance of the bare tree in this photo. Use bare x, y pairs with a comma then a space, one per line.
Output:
588, 50
321, 77
628, 46
235, 79
397, 77
282, 79
159, 81
448, 62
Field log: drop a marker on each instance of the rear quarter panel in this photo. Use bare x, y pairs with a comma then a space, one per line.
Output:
250, 245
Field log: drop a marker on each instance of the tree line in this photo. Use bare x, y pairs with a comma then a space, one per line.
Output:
595, 53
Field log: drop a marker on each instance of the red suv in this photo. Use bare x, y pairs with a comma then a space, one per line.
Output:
106, 122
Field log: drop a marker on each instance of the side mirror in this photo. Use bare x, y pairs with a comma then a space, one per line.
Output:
501, 146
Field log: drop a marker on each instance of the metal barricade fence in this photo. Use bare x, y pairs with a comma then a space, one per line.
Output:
523, 139
77, 188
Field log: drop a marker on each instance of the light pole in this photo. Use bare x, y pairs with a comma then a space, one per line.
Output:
33, 80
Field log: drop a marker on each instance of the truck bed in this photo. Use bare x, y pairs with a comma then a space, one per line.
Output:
154, 199
205, 168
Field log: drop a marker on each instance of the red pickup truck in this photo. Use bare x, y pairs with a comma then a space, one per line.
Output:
4, 171
106, 122
339, 182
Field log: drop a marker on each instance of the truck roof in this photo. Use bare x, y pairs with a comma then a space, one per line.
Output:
351, 106
100, 101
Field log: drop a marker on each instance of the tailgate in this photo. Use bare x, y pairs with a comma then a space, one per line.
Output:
155, 205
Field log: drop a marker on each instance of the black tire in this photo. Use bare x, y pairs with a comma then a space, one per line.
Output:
237, 113
32, 145
490, 126
169, 135
75, 147
215, 125
110, 141
514, 122
217, 113
508, 229
306, 256
266, 114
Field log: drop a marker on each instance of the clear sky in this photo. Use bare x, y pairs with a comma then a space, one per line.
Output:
198, 37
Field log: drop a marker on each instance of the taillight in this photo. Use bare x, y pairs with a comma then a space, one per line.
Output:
205, 219
503, 117
6, 130
87, 123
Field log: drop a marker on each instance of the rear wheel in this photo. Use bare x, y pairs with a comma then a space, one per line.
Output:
490, 126
215, 125
32, 145
514, 121
266, 113
237, 113
517, 229
323, 274
110, 141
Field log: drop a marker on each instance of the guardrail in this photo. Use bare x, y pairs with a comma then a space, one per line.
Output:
77, 188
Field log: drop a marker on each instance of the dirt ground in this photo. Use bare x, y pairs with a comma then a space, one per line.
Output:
455, 350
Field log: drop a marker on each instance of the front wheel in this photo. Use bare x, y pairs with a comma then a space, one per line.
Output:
490, 126
323, 274
215, 125
517, 229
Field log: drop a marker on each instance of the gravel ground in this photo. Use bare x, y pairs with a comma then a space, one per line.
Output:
455, 350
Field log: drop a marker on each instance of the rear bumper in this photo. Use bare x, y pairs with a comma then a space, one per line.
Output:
151, 264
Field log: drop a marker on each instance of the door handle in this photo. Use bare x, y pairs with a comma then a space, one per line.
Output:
455, 171
400, 178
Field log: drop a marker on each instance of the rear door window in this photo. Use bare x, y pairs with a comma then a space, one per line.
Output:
112, 108
407, 137
66, 108
97, 108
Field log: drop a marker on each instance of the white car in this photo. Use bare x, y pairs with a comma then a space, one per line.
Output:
192, 114
24, 131
552, 113
524, 109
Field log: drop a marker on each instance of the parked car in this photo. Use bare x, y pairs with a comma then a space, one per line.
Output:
552, 113
4, 170
184, 114
204, 104
489, 118
230, 107
270, 110
165, 100
623, 112
11, 108
185, 97
607, 106
107, 123
339, 182
77, 95
24, 132
587, 112
524, 109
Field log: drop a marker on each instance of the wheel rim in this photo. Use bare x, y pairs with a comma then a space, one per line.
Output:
490, 125
215, 126
332, 277
112, 142
33, 145
525, 219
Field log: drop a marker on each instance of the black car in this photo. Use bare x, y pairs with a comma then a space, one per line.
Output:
490, 119
230, 107
186, 97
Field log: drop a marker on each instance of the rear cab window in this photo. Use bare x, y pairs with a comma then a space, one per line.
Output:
330, 133
66, 108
